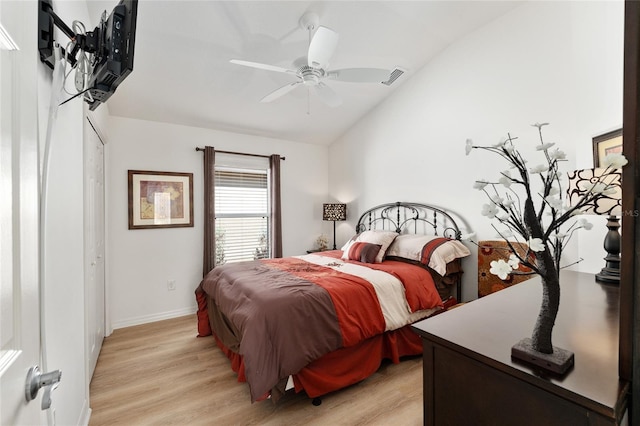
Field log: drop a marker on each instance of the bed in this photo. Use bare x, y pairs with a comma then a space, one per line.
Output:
323, 321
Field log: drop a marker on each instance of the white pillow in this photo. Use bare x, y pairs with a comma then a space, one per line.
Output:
429, 250
348, 244
383, 238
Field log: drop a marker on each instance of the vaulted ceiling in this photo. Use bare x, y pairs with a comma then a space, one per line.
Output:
182, 73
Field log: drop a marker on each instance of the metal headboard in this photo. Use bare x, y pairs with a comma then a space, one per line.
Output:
413, 218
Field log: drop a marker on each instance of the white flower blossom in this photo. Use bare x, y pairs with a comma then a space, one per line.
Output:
539, 125
469, 146
500, 143
560, 235
540, 168
536, 244
615, 161
508, 203
585, 186
513, 261
545, 146
599, 188
502, 216
509, 148
497, 199
557, 154
505, 179
596, 188
554, 191
583, 223
480, 184
500, 268
489, 210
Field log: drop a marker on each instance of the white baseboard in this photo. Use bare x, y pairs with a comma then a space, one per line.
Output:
153, 318
85, 415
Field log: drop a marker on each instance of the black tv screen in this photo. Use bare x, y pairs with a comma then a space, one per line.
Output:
114, 55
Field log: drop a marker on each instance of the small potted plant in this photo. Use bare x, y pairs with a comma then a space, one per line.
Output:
322, 242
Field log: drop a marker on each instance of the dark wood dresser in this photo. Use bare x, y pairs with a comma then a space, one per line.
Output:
470, 378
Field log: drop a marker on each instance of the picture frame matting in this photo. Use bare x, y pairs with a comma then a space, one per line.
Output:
607, 143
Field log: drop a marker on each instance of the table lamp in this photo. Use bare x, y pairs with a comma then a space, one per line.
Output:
608, 204
334, 212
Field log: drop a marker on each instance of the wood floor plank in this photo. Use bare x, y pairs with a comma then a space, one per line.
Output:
161, 374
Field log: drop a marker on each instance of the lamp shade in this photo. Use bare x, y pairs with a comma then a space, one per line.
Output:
597, 191
334, 211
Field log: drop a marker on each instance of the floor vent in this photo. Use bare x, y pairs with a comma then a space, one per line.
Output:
395, 74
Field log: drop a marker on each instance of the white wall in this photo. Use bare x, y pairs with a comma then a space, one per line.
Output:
63, 277
139, 262
557, 62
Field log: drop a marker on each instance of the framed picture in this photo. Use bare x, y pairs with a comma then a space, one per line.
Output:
607, 143
160, 199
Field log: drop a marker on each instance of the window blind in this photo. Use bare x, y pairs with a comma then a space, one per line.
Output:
242, 215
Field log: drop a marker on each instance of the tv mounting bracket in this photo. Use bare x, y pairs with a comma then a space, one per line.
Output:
47, 18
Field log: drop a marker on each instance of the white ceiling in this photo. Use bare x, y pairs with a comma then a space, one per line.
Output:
182, 73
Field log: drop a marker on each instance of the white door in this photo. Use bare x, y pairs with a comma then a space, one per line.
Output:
94, 244
19, 238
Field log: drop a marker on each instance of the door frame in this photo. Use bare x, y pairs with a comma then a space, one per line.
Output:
95, 122
629, 344
19, 19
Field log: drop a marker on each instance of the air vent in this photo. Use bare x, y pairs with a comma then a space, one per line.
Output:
395, 74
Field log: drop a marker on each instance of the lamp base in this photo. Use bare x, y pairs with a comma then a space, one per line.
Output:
334, 235
610, 274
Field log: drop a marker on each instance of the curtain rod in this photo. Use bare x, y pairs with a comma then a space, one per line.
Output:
240, 153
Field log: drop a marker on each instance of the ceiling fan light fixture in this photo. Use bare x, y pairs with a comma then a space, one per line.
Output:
310, 80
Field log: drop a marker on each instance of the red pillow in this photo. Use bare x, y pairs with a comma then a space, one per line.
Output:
364, 252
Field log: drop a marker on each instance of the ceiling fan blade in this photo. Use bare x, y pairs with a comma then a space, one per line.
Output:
360, 75
279, 92
327, 95
322, 46
261, 66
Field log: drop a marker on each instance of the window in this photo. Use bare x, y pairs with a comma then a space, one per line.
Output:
242, 214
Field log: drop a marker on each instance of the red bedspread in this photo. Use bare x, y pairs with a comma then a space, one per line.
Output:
287, 313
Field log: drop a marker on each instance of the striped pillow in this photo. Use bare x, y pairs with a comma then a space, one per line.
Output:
429, 250
363, 252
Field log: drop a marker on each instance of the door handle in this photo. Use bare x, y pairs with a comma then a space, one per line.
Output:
36, 380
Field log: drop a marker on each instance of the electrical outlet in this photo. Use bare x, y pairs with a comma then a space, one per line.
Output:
80, 80
171, 285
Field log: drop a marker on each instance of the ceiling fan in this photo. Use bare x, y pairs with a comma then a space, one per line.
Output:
315, 71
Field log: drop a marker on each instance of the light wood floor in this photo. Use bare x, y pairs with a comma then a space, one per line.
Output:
160, 373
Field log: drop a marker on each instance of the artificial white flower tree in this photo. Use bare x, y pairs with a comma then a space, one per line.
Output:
538, 217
